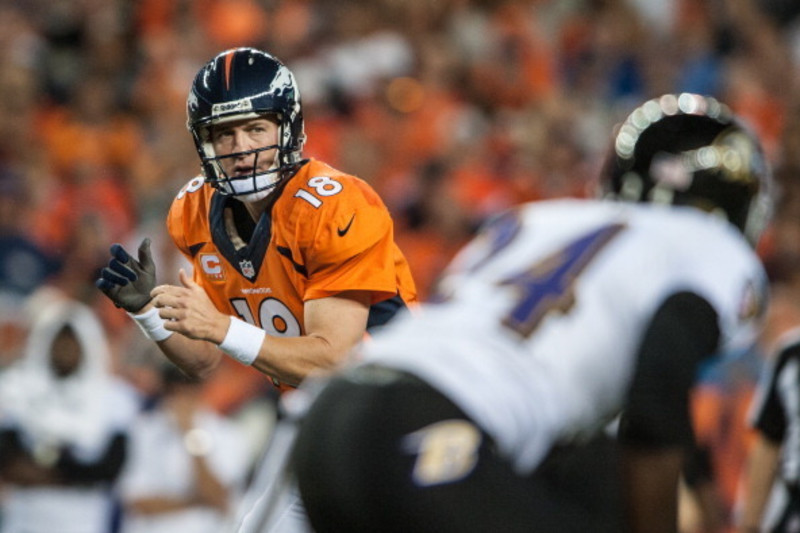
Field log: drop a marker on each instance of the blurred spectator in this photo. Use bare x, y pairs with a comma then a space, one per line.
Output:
187, 463
24, 266
64, 424
90, 146
513, 66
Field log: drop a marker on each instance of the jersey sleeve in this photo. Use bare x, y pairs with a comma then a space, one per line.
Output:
179, 211
174, 228
352, 246
186, 223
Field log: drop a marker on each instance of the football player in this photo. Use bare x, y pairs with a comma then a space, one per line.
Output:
485, 411
293, 260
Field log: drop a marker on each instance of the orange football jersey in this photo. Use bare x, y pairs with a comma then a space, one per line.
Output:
326, 233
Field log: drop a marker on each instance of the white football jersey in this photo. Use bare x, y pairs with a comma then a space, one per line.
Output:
542, 315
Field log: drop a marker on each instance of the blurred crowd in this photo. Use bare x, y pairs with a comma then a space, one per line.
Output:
451, 109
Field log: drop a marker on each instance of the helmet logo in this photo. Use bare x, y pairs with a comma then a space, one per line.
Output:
282, 83
191, 101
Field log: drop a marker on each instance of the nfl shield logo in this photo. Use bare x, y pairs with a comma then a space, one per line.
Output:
247, 268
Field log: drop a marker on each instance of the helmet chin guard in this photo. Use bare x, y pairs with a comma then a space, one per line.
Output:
241, 84
247, 187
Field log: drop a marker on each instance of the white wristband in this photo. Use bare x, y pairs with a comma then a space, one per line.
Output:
152, 325
243, 341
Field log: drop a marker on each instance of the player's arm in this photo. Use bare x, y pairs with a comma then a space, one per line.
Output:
656, 429
333, 325
130, 283
194, 355
187, 309
198, 358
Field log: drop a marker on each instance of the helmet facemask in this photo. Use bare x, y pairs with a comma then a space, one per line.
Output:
246, 187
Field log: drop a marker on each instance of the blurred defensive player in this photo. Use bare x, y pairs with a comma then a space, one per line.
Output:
484, 411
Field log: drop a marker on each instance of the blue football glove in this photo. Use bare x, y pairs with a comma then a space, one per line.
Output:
126, 281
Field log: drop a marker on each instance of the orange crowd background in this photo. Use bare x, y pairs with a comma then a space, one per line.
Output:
451, 109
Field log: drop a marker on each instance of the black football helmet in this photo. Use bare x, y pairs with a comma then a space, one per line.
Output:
238, 84
687, 149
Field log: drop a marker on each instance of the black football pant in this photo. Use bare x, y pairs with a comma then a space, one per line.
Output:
354, 470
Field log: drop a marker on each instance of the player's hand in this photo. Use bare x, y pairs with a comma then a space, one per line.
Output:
188, 310
126, 281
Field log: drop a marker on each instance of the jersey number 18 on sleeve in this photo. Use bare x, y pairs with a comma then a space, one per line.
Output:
323, 186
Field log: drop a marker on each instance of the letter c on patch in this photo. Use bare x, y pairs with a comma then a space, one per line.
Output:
212, 266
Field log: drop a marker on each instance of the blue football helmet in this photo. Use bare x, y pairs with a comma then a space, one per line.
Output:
240, 84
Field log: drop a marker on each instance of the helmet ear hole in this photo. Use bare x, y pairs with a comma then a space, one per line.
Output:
690, 150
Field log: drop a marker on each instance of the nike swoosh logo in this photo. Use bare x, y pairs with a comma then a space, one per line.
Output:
343, 231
